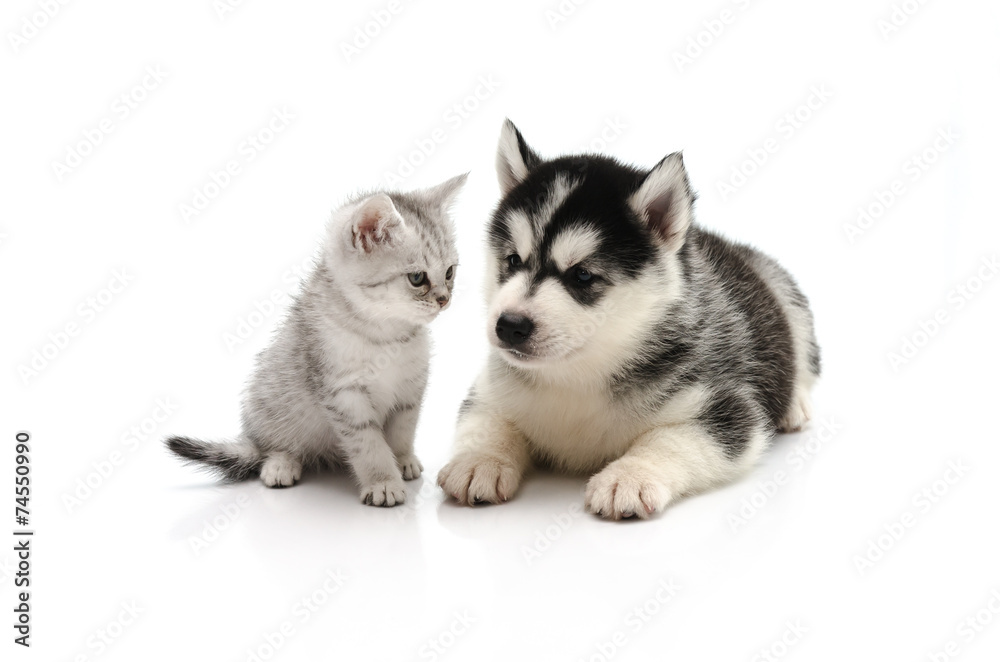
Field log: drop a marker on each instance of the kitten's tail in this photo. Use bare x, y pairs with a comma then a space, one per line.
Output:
233, 461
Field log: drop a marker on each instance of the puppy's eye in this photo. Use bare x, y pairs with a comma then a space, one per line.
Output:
417, 279
582, 276
514, 261
448, 275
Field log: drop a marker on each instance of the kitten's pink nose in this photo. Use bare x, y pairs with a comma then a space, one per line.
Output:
442, 301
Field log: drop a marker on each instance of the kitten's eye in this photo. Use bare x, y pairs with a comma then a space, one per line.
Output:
417, 279
582, 276
448, 275
514, 261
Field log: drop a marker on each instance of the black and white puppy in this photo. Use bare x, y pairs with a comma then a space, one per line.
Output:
627, 342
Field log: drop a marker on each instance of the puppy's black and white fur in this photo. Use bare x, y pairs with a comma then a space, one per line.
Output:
626, 341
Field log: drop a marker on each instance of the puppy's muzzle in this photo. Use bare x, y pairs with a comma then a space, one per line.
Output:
514, 330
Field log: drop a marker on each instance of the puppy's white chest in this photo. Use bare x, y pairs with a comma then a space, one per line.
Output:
574, 429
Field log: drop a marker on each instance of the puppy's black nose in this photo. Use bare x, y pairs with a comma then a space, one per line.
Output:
514, 329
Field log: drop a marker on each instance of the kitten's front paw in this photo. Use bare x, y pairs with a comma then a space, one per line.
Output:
473, 478
386, 493
280, 471
410, 467
626, 488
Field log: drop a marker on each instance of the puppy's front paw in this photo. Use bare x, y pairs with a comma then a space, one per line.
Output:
473, 478
410, 467
386, 493
280, 471
626, 488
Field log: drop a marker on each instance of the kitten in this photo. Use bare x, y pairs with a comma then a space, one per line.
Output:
343, 380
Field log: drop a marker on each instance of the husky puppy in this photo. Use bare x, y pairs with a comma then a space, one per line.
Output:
626, 341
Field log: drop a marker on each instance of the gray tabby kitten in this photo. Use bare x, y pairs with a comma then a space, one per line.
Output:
344, 378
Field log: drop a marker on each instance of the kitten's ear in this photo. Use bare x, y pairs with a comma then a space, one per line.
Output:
444, 193
375, 223
514, 158
665, 200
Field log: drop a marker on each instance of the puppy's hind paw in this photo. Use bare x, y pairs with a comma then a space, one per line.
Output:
799, 412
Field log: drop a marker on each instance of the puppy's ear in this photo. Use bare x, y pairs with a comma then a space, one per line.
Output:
444, 193
665, 201
514, 158
375, 224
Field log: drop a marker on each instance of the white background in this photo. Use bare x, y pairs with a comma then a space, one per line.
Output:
538, 580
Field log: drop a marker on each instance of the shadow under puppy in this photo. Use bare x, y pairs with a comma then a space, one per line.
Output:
343, 380
626, 341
